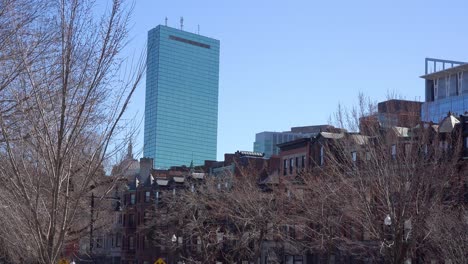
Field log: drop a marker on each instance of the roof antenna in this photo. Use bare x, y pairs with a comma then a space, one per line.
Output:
165, 20
199, 29
181, 23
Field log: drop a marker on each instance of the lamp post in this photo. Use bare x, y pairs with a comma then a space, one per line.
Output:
174, 242
175, 239
388, 239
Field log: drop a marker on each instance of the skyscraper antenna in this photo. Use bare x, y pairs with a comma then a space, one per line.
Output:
181, 23
199, 29
165, 22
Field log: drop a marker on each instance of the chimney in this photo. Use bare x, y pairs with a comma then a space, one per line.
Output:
146, 164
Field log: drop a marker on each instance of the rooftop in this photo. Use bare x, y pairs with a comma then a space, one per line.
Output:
448, 67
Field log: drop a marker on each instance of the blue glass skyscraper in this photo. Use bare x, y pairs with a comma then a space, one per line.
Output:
181, 105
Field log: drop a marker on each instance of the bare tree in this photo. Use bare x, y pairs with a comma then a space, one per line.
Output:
449, 235
373, 195
63, 95
225, 218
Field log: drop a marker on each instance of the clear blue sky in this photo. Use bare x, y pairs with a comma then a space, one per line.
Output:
289, 63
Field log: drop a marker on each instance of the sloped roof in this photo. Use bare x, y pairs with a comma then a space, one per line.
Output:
448, 124
401, 131
332, 135
359, 139
162, 182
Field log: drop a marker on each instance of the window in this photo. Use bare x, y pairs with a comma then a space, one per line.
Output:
157, 197
219, 236
285, 166
303, 161
291, 165
293, 259
147, 196
447, 86
117, 240
408, 150
459, 83
199, 244
297, 163
298, 260
99, 242
145, 217
408, 227
436, 89
321, 156
145, 242
131, 243
354, 156
131, 220
368, 155
443, 145
132, 198
393, 151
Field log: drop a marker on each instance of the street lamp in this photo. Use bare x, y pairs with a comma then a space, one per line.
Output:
175, 239
388, 220
388, 238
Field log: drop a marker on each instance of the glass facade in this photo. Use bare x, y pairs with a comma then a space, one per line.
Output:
266, 142
446, 92
181, 104
437, 110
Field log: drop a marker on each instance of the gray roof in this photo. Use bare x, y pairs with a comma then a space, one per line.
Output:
332, 135
401, 131
448, 124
